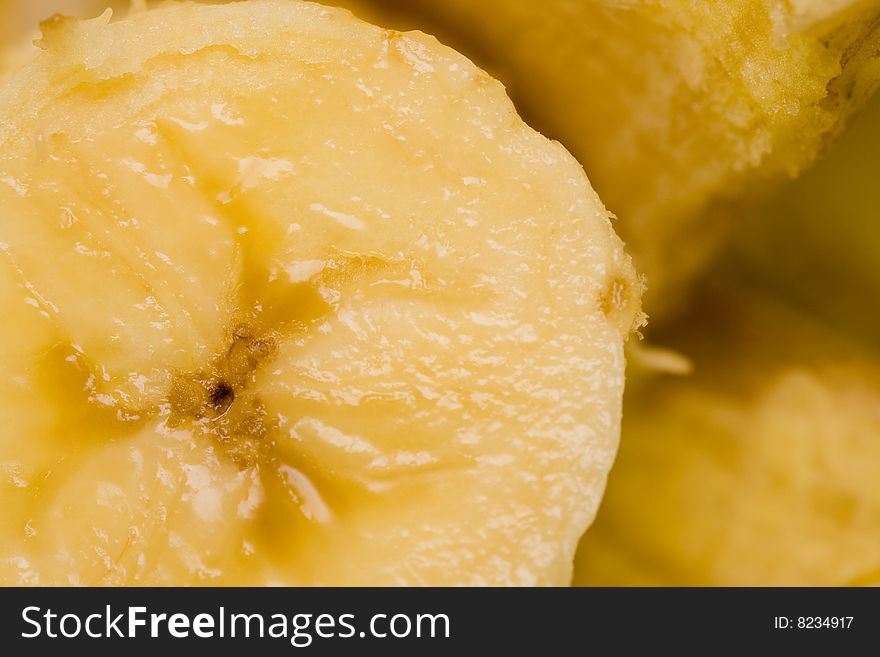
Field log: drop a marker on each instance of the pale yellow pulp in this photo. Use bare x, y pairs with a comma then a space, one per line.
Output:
289, 298
674, 107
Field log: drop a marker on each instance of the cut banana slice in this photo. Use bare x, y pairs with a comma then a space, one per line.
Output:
760, 469
673, 107
294, 299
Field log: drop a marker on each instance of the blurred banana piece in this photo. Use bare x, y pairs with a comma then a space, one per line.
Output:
817, 241
760, 469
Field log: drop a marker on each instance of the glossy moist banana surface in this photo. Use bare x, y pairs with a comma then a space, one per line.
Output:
293, 299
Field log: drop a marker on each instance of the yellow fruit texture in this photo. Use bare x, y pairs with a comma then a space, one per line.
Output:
19, 19
289, 298
760, 469
673, 107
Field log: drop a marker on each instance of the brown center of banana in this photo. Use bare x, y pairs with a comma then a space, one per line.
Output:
216, 401
219, 401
